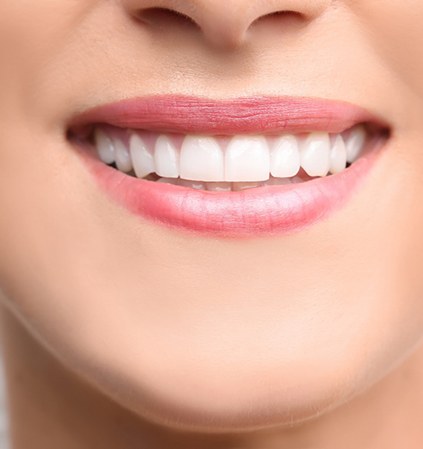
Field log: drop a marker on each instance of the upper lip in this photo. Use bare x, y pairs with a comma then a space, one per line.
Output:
258, 114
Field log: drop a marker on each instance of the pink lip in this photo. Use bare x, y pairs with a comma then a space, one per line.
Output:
227, 117
264, 210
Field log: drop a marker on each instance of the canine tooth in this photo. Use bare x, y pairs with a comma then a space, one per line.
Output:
355, 143
105, 147
142, 157
315, 150
338, 155
123, 159
166, 158
285, 157
201, 159
247, 159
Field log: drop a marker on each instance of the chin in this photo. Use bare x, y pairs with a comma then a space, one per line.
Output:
230, 398
218, 390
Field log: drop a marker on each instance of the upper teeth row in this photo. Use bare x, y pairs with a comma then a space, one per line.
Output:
245, 158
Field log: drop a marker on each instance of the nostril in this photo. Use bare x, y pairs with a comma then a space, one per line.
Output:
280, 15
161, 17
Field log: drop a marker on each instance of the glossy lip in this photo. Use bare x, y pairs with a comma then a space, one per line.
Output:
265, 210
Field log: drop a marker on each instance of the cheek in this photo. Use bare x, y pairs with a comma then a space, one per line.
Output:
44, 23
31, 35
394, 28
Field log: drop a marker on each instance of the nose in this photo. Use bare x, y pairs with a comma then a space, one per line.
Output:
225, 23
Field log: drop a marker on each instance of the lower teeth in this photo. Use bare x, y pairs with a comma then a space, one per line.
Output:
230, 186
225, 186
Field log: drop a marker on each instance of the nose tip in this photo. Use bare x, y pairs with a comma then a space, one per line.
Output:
228, 26
225, 23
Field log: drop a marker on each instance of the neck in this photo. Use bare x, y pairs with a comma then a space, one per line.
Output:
49, 407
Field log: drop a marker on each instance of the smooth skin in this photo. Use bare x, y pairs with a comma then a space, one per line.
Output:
121, 333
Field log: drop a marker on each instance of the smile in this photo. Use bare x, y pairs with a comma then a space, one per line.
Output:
229, 168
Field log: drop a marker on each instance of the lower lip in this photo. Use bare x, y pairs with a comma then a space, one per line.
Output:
267, 210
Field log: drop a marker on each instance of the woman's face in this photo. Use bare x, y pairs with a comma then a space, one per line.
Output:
192, 328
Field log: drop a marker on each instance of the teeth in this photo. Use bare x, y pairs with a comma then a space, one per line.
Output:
315, 151
202, 159
247, 159
223, 163
279, 181
142, 157
338, 155
166, 158
285, 157
123, 160
355, 143
105, 147
197, 185
238, 186
219, 186
168, 181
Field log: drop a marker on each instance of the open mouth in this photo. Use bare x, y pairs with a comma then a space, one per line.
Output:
268, 175
222, 163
